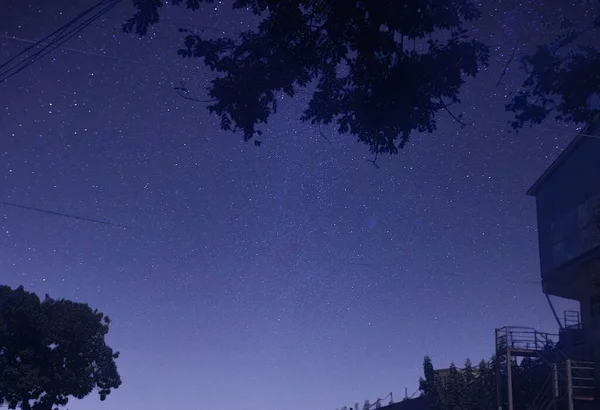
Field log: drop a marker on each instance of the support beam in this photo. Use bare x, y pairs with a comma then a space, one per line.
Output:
555, 391
509, 379
569, 384
498, 369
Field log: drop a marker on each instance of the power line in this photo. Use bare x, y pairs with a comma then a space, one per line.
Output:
113, 57
47, 48
473, 120
81, 15
533, 282
80, 218
57, 38
52, 45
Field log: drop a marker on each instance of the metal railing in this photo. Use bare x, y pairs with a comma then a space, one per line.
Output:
525, 338
543, 400
572, 319
569, 380
582, 379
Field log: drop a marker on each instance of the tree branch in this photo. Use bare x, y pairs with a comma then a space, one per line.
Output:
185, 94
323, 135
374, 160
456, 118
511, 58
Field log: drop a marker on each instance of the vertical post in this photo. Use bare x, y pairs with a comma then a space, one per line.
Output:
498, 369
555, 392
569, 384
509, 378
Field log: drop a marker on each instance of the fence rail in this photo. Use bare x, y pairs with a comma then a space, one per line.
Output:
524, 338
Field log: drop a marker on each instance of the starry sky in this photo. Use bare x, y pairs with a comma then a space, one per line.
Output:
295, 275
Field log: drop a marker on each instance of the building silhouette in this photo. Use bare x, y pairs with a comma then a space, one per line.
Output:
568, 219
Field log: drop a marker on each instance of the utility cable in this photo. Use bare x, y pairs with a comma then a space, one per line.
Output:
469, 119
53, 44
58, 38
65, 215
81, 15
113, 57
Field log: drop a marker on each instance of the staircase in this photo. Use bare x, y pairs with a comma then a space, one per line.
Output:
582, 380
563, 392
544, 399
570, 382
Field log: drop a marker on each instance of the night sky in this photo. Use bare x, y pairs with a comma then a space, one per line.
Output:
292, 276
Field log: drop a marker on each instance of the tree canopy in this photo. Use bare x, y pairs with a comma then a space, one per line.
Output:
379, 70
563, 78
52, 350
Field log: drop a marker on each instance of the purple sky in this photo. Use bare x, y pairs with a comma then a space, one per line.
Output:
294, 276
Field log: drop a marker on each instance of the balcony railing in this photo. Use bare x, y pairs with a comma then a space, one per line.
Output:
524, 339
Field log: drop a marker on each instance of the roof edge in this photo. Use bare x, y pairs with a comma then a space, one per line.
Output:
578, 139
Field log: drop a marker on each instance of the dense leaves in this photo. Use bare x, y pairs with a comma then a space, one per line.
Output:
51, 350
563, 78
379, 70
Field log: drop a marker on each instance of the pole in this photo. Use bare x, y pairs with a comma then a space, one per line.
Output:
569, 384
560, 326
555, 391
498, 375
509, 378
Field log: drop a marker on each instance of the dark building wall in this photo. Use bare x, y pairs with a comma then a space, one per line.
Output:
572, 182
567, 199
419, 403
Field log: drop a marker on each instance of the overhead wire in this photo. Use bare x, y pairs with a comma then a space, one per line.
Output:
54, 40
58, 43
533, 282
496, 122
65, 215
113, 57
81, 15
471, 119
50, 47
51, 44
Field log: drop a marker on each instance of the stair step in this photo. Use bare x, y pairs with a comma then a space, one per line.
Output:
584, 398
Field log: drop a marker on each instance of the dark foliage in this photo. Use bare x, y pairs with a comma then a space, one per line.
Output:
51, 350
563, 78
475, 388
430, 385
379, 70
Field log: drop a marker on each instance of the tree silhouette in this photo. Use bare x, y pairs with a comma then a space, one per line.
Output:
51, 350
485, 385
379, 70
468, 400
454, 389
430, 384
474, 389
563, 77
